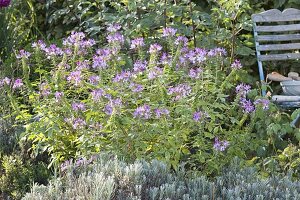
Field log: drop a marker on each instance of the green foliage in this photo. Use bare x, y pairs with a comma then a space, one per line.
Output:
137, 17
18, 170
18, 26
230, 21
284, 161
18, 175
109, 178
132, 87
208, 23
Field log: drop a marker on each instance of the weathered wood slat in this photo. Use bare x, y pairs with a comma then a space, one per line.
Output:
286, 56
278, 28
260, 18
276, 38
274, 15
272, 47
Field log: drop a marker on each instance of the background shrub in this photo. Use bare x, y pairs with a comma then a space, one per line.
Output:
17, 175
20, 26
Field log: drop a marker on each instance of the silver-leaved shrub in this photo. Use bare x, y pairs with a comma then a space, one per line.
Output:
109, 178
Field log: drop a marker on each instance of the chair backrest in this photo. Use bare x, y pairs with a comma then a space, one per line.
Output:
276, 36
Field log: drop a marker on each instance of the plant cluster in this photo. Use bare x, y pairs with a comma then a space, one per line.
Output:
109, 178
18, 27
17, 175
165, 101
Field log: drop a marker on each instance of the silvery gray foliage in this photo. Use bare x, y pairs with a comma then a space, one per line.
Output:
108, 178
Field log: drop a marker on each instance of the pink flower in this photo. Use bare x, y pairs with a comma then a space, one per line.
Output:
4, 3
236, 65
18, 83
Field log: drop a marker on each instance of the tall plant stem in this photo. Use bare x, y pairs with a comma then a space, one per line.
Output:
165, 14
193, 24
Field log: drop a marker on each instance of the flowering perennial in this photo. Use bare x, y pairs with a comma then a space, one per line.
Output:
236, 65
169, 32
242, 89
180, 91
247, 105
161, 112
195, 73
123, 96
220, 145
143, 112
4, 3
18, 83
78, 106
23, 54
155, 48
137, 43
264, 103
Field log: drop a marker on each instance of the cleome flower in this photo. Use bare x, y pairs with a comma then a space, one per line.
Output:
154, 48
247, 105
23, 54
169, 32
74, 77
242, 89
180, 91
143, 112
4, 3
137, 43
97, 94
58, 96
161, 112
220, 145
113, 28
17, 83
195, 73
264, 103
78, 106
236, 65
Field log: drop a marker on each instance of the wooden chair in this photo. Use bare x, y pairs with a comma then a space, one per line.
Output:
277, 38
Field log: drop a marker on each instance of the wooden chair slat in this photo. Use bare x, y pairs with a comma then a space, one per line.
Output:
277, 38
278, 28
259, 18
285, 56
272, 47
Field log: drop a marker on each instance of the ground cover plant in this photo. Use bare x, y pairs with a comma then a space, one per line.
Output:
106, 177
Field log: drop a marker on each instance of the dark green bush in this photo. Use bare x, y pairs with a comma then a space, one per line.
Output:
223, 21
17, 175
19, 26
18, 169
109, 178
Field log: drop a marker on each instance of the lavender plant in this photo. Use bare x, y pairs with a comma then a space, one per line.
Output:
134, 99
108, 178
